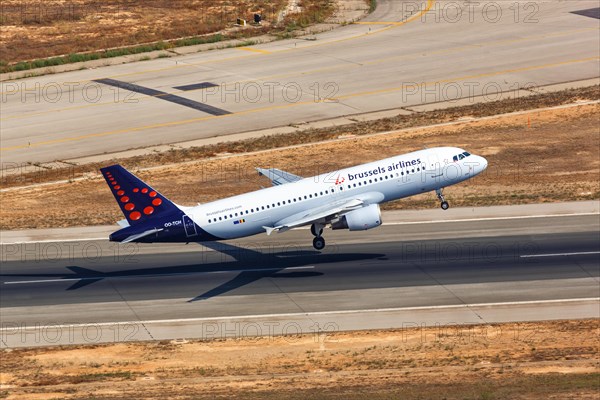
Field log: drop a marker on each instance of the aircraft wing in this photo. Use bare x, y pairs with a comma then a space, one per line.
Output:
277, 176
315, 214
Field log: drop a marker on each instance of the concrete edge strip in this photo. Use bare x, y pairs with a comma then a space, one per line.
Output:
385, 223
320, 313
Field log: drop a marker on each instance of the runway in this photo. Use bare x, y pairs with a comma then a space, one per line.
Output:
452, 272
406, 54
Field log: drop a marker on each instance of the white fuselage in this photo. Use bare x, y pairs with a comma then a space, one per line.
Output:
373, 183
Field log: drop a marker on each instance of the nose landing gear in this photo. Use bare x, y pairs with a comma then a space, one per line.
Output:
440, 196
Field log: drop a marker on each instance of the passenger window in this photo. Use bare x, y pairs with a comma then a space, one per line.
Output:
220, 219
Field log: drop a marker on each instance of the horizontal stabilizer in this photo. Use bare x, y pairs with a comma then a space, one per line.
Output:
140, 235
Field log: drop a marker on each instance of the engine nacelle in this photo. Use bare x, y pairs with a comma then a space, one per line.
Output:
359, 220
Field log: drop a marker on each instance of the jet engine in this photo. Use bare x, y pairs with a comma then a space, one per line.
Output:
359, 220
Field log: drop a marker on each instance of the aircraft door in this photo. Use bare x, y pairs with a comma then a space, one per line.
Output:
189, 226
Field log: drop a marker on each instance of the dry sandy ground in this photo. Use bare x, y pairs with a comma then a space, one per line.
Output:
34, 29
536, 157
549, 360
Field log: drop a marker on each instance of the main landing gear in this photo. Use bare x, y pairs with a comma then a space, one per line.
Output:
440, 196
318, 241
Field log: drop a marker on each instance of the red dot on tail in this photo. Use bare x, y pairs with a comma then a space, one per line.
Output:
152, 194
134, 216
135, 190
157, 202
148, 210
117, 187
120, 192
129, 206
145, 190
124, 199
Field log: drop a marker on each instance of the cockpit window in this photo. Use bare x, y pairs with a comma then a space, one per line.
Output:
461, 156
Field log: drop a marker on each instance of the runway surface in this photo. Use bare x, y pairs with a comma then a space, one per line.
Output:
407, 53
442, 272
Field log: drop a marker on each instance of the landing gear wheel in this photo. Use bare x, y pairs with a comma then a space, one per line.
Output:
319, 243
316, 231
440, 196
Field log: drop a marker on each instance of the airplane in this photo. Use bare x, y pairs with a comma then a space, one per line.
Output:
345, 199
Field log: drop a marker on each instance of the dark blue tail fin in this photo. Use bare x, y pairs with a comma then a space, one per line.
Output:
137, 200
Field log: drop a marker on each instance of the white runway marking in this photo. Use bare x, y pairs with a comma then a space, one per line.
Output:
581, 253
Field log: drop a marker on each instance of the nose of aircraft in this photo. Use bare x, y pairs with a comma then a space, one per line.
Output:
481, 165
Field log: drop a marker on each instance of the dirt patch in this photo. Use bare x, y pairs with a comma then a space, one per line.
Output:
535, 157
32, 29
519, 361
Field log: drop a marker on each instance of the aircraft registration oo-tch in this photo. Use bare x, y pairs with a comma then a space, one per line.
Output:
344, 199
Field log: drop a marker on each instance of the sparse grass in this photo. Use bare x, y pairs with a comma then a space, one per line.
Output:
372, 5
271, 368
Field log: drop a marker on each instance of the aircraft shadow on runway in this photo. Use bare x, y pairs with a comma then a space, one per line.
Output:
252, 266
